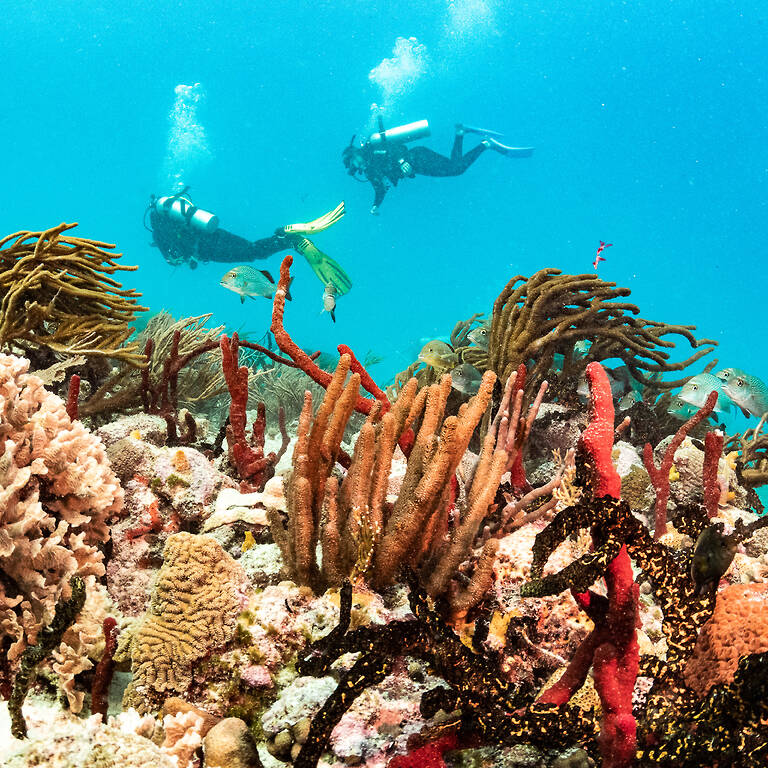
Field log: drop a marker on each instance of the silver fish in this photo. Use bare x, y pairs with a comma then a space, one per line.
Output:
329, 300
618, 386
479, 336
680, 409
251, 282
727, 373
466, 379
631, 398
749, 393
439, 355
697, 389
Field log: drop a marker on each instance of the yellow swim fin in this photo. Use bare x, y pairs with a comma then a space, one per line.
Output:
319, 224
326, 269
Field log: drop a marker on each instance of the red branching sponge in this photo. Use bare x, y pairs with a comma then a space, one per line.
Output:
253, 467
713, 449
302, 360
102, 676
660, 475
611, 648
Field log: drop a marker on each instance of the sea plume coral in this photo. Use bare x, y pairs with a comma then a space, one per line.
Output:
57, 492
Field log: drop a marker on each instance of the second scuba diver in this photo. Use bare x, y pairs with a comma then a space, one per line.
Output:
186, 234
385, 159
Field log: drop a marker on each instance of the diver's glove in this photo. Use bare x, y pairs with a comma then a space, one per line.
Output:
317, 225
406, 168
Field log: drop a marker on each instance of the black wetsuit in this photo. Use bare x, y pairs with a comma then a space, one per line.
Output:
180, 242
394, 161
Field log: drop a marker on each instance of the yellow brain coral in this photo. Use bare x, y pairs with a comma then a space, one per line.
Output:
193, 610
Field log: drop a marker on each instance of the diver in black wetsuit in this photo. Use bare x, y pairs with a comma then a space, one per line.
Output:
387, 160
186, 234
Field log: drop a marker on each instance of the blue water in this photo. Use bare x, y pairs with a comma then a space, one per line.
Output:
648, 119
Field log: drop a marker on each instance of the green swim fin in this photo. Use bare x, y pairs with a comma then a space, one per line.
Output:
326, 269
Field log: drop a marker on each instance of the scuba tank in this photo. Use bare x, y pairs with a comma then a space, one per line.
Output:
182, 209
403, 133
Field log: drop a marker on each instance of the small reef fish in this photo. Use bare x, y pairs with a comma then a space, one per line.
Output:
631, 398
600, 249
616, 378
749, 393
466, 379
712, 556
479, 336
728, 373
329, 300
680, 409
697, 389
581, 348
249, 281
248, 541
438, 354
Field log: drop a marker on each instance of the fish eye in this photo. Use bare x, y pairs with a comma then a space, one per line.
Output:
695, 387
739, 382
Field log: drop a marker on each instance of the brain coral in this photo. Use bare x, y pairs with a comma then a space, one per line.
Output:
57, 492
738, 626
194, 608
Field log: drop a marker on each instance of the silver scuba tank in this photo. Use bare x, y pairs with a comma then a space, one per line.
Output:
403, 133
182, 210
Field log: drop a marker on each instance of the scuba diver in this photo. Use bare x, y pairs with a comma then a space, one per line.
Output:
385, 159
187, 234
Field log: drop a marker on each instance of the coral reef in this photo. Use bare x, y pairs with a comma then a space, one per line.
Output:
476, 579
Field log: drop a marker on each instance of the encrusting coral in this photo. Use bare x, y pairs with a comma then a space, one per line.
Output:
56, 292
57, 494
193, 610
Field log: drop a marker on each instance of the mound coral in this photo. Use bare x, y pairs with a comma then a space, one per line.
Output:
57, 493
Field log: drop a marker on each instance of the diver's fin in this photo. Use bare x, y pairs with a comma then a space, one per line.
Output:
267, 275
326, 269
242, 299
480, 131
317, 225
333, 315
288, 292
503, 149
